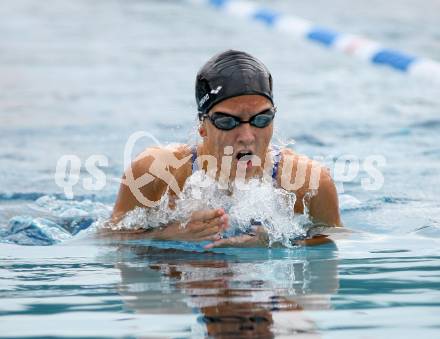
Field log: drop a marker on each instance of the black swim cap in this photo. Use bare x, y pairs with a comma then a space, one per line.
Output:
229, 74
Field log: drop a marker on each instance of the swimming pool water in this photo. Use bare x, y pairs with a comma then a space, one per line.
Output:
80, 77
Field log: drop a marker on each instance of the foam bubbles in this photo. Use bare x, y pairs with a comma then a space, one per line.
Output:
254, 203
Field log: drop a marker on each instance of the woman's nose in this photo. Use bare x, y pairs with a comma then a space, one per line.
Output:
246, 134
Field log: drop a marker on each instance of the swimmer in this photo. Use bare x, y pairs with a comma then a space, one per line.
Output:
236, 113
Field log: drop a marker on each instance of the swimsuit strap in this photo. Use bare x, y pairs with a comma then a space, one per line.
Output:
195, 165
276, 160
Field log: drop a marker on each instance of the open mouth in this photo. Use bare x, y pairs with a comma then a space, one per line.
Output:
245, 156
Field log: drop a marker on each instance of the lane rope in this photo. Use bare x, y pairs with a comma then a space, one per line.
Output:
354, 45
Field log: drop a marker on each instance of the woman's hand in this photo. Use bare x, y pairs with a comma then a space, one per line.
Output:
258, 238
202, 226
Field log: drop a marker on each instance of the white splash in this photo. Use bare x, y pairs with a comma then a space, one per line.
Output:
256, 202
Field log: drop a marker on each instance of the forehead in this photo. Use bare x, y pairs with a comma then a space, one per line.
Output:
243, 104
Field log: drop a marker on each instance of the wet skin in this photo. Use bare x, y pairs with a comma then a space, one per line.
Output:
209, 224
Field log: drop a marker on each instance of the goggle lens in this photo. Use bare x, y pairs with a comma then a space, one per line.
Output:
227, 122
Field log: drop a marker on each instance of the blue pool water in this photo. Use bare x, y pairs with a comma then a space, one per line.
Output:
80, 77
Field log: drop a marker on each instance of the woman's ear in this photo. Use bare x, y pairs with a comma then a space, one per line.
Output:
202, 130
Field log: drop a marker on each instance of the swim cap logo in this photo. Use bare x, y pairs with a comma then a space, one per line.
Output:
203, 100
215, 91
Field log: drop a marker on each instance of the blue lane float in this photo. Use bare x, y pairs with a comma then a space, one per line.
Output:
350, 44
322, 35
395, 59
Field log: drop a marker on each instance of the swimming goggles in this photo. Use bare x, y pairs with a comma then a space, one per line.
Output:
227, 122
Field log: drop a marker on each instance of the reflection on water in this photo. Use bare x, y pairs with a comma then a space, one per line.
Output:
375, 286
235, 293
